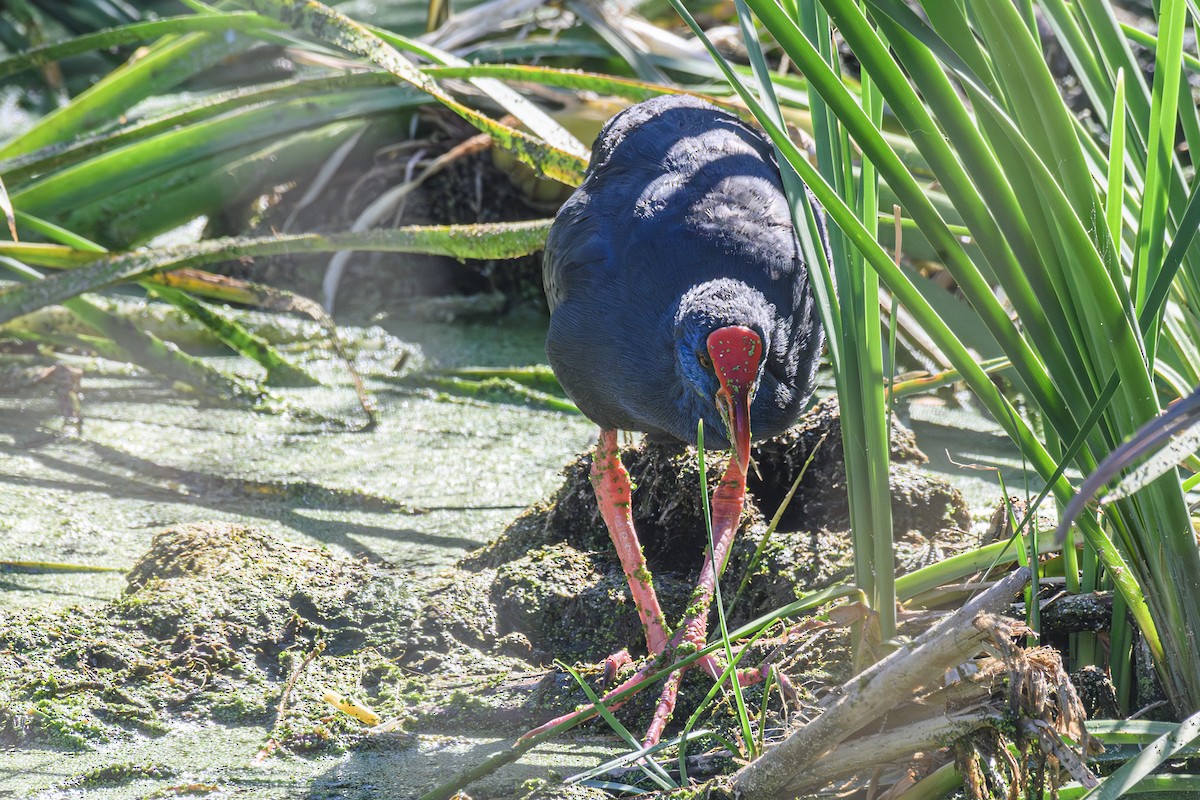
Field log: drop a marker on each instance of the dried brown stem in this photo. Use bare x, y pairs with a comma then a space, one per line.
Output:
281, 710
875, 691
891, 745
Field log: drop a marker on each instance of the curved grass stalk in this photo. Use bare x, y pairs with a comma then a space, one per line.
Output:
1150, 41
489, 388
130, 167
58, 155
130, 217
332, 27
494, 240
124, 341
166, 64
9, 213
1138, 769
280, 371
578, 80
531, 115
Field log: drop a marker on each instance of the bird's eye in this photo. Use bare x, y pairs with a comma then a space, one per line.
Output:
705, 361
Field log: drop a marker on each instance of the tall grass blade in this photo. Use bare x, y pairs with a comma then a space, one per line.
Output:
735, 685
22, 169
1163, 115
1115, 195
165, 65
35, 57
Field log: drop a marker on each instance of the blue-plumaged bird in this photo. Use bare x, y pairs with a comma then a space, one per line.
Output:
680, 228
677, 293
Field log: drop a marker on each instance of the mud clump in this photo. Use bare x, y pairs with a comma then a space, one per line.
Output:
919, 501
667, 508
810, 550
554, 594
215, 619
261, 591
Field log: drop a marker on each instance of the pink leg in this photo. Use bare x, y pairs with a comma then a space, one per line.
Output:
666, 700
727, 502
613, 494
665, 708
670, 691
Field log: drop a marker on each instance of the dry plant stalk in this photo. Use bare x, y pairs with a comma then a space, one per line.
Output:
920, 664
1042, 697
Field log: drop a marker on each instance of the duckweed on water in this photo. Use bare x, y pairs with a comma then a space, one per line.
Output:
117, 774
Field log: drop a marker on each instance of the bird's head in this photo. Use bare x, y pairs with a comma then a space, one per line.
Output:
720, 351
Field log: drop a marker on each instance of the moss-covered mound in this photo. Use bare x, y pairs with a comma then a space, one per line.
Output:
215, 620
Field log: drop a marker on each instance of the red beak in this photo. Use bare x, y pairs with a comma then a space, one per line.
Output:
736, 351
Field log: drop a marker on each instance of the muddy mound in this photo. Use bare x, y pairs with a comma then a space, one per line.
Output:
216, 620
251, 589
554, 577
667, 507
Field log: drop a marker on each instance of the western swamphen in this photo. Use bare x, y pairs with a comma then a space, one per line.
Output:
678, 293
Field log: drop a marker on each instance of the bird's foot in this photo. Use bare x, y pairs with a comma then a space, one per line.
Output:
752, 676
714, 667
665, 708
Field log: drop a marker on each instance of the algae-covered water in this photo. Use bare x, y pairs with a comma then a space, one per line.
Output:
375, 516
455, 470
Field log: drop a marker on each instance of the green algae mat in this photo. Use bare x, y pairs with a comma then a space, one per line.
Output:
439, 476
242, 568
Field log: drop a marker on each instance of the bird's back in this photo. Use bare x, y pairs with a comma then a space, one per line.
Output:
677, 193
